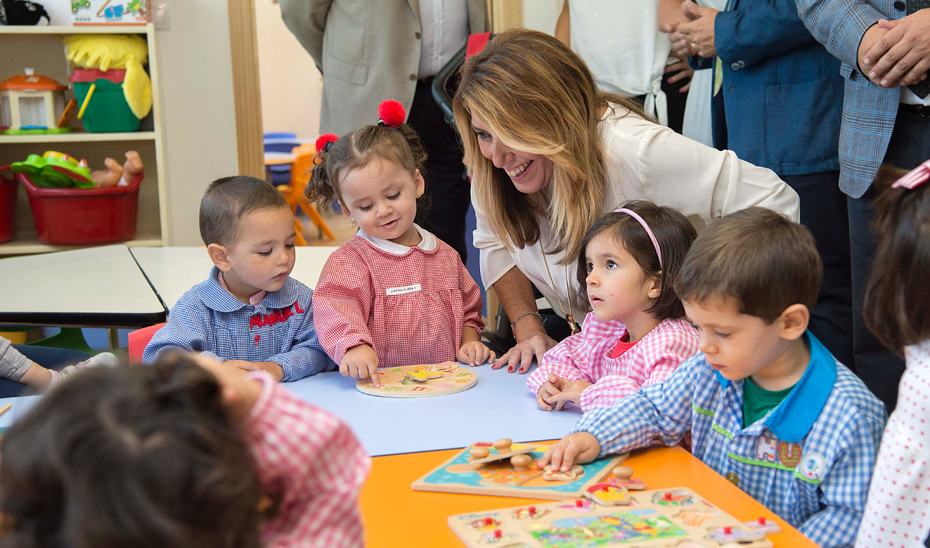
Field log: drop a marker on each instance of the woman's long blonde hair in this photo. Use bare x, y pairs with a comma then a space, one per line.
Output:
537, 96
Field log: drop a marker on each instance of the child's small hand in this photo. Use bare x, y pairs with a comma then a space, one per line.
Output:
571, 392
550, 388
271, 367
579, 448
239, 393
360, 362
475, 353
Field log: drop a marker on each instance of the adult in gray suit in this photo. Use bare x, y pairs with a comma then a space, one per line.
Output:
884, 49
372, 50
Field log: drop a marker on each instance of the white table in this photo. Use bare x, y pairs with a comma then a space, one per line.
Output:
174, 270
92, 287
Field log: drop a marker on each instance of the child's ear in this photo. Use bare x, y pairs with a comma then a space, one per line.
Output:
655, 288
419, 182
794, 320
219, 255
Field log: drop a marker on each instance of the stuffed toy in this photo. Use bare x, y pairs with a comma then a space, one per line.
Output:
106, 52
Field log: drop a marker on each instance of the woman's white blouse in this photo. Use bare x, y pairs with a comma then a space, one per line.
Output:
646, 161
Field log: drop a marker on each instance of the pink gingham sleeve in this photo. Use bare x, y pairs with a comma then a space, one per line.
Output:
471, 300
342, 303
313, 464
571, 359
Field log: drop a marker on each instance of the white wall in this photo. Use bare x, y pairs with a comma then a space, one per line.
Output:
292, 87
541, 15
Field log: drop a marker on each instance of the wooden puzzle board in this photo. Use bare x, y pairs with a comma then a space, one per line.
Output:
395, 384
686, 521
499, 478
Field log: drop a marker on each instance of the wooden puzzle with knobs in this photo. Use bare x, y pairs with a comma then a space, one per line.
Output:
666, 518
419, 381
508, 469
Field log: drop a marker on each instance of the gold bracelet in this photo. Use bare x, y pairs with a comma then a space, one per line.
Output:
521, 316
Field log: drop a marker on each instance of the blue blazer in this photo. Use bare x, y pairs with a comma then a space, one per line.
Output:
782, 90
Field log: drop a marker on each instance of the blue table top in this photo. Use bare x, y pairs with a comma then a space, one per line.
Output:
498, 406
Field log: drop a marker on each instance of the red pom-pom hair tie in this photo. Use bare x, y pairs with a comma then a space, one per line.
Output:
391, 113
323, 144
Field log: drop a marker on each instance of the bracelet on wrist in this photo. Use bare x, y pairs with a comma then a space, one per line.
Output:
521, 316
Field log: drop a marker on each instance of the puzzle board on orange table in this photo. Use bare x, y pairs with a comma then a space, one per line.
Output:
395, 382
499, 478
653, 519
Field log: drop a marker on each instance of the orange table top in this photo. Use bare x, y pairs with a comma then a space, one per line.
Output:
396, 515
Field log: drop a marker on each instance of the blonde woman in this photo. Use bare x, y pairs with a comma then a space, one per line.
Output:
549, 153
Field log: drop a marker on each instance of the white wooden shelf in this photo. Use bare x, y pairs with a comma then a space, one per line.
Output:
63, 29
28, 246
78, 137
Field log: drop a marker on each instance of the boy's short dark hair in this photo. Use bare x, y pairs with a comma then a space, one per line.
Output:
756, 257
227, 200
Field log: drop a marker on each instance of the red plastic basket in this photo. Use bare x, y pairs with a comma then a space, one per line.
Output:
84, 216
7, 206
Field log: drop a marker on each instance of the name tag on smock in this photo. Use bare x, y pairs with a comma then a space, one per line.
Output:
401, 290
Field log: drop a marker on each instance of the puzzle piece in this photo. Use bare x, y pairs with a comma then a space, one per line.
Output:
723, 535
424, 373
530, 512
764, 526
557, 475
608, 494
503, 447
623, 476
671, 498
484, 524
579, 505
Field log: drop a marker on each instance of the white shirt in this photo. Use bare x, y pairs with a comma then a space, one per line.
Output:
444, 26
646, 161
908, 97
620, 42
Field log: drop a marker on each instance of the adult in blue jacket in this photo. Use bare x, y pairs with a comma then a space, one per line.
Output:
777, 103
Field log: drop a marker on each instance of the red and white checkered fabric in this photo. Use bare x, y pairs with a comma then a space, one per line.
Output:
410, 308
586, 356
313, 463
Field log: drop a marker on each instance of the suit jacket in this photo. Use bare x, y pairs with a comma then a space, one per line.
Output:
869, 111
367, 50
782, 91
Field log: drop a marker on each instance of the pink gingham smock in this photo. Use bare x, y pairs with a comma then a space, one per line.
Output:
410, 304
312, 463
586, 356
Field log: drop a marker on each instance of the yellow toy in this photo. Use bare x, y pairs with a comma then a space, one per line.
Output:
107, 52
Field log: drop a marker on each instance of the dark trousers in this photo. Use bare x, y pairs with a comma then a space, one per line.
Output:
47, 357
448, 193
878, 367
823, 212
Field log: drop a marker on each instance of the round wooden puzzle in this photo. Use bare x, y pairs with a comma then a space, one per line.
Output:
420, 381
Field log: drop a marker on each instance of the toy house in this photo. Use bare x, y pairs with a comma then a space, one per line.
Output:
31, 103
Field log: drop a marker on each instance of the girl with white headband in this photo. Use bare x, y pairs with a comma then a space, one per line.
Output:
637, 334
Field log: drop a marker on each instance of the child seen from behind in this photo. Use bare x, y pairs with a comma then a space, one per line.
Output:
636, 334
768, 406
394, 294
187, 453
896, 310
249, 312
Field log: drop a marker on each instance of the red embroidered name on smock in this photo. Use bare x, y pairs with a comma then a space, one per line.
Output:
276, 316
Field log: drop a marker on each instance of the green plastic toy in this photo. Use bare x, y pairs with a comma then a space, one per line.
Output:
55, 170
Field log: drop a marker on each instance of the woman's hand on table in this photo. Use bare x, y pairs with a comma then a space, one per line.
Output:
360, 362
520, 357
576, 448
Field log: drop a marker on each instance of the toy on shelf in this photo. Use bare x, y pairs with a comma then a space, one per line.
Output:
32, 104
118, 175
580, 523
408, 381
510, 469
109, 80
55, 170
109, 12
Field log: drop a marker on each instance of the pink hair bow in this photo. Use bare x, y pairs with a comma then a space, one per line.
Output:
915, 177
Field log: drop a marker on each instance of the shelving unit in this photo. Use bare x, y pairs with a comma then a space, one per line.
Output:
39, 47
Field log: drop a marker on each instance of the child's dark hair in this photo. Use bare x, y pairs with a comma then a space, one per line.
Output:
400, 145
128, 457
227, 200
674, 234
898, 291
761, 260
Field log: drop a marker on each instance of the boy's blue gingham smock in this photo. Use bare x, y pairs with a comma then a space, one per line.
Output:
809, 460
209, 319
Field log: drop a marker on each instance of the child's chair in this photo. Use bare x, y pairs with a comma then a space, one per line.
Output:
138, 340
294, 193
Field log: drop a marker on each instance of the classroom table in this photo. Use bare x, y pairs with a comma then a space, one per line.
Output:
92, 287
395, 515
174, 270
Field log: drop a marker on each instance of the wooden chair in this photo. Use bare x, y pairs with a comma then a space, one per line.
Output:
294, 193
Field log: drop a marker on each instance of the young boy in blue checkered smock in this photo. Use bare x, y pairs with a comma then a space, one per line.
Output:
768, 406
249, 312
